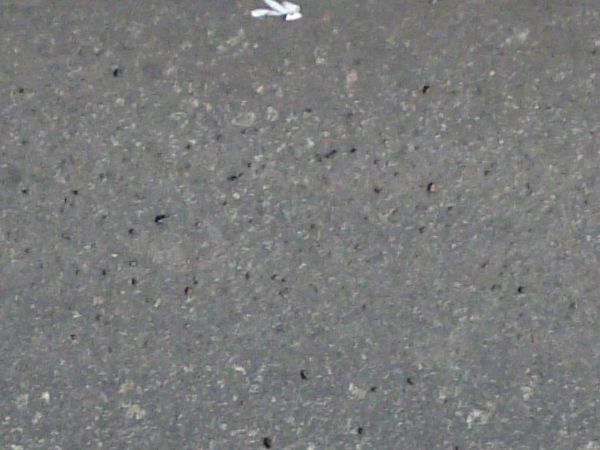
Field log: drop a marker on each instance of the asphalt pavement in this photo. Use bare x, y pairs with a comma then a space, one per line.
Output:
374, 227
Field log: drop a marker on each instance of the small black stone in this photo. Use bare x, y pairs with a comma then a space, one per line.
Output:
160, 218
330, 153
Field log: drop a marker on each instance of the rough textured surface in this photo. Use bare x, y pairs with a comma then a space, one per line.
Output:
373, 228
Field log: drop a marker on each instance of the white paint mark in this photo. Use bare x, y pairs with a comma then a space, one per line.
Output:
290, 10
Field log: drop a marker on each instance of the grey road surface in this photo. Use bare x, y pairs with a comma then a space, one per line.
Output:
376, 227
